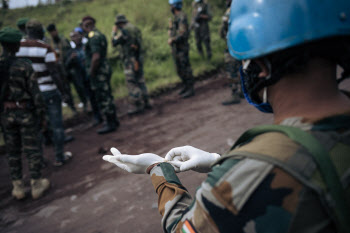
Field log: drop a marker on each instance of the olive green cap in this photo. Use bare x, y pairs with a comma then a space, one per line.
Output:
120, 19
34, 24
10, 35
22, 21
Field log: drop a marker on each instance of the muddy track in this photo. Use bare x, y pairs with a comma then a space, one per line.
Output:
89, 195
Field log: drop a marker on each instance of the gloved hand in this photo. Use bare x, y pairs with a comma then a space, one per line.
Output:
190, 158
137, 164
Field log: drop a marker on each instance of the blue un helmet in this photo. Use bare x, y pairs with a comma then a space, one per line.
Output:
176, 3
261, 27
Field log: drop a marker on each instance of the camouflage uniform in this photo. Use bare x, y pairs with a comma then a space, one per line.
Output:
23, 109
178, 31
100, 84
232, 65
268, 184
62, 48
130, 39
201, 26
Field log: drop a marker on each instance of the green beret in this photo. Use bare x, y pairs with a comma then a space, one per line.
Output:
22, 22
10, 35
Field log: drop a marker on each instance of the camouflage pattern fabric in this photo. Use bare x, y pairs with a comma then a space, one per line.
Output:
252, 195
20, 126
201, 26
179, 32
100, 84
232, 65
130, 39
62, 49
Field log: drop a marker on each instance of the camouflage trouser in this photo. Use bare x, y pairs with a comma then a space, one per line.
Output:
232, 68
183, 66
135, 81
100, 85
202, 35
21, 132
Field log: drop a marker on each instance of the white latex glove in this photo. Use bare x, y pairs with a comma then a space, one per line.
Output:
137, 164
190, 158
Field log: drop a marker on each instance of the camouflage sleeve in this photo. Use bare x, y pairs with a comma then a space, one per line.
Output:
66, 49
120, 38
238, 196
173, 198
183, 32
95, 44
34, 90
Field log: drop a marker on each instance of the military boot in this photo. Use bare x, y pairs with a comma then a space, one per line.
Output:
135, 109
110, 125
147, 103
235, 99
18, 189
183, 90
188, 93
39, 186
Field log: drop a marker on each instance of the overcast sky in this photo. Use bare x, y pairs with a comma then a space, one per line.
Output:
24, 3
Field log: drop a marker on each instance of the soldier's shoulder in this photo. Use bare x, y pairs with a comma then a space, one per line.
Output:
182, 16
94, 34
23, 64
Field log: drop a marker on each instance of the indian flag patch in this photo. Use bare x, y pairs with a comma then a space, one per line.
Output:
188, 227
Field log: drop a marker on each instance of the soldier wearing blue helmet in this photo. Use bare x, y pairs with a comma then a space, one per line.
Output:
292, 176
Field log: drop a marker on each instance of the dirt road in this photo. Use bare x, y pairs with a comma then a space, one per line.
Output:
89, 195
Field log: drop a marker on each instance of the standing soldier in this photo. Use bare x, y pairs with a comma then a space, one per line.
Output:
76, 67
201, 16
62, 48
178, 40
22, 109
232, 65
99, 72
130, 39
44, 63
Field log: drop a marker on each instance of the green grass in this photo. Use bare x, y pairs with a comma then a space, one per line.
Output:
150, 16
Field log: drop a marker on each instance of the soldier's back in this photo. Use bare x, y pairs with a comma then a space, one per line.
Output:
20, 71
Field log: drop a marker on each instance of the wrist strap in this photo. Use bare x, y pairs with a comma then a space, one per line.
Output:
149, 169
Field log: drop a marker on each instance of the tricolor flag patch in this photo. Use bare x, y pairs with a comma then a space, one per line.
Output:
188, 227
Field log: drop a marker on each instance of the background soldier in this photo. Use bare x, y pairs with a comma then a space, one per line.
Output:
289, 177
44, 63
178, 40
22, 109
130, 39
62, 48
201, 16
21, 24
76, 68
232, 65
99, 72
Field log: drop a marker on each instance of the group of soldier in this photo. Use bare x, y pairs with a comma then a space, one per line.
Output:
38, 71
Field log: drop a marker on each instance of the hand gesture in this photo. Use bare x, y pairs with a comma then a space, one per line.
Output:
137, 164
190, 158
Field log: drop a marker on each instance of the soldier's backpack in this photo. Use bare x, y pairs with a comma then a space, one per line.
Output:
323, 179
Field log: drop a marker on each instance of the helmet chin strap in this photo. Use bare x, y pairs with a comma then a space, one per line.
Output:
268, 64
265, 95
